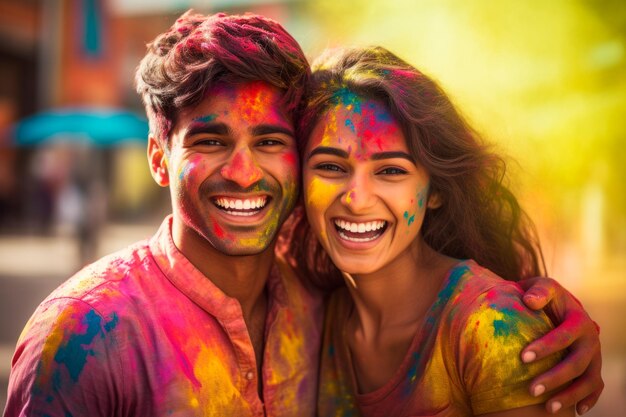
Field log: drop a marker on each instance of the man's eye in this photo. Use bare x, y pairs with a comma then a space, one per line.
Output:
270, 142
209, 142
392, 171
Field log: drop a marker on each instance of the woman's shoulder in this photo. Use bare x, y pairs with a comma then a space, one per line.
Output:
481, 300
472, 281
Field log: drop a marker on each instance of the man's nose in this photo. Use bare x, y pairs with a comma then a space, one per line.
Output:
242, 168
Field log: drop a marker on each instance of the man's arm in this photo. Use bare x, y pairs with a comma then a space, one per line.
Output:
575, 331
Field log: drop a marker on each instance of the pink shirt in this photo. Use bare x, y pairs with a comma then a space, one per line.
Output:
143, 333
463, 361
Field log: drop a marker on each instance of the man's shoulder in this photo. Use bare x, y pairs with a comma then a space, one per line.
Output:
107, 272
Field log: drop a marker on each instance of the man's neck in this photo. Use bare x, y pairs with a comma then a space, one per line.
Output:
240, 277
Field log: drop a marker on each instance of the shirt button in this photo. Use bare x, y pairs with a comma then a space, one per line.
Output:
250, 376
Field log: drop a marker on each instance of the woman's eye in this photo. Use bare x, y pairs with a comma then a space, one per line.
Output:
392, 171
329, 167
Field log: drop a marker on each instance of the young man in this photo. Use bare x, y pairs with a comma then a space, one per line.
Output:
204, 318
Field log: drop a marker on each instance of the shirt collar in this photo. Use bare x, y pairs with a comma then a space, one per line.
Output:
198, 287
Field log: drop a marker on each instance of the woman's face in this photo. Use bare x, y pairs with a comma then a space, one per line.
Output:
365, 197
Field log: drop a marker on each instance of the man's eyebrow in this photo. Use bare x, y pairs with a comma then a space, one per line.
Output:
197, 126
268, 129
394, 154
327, 150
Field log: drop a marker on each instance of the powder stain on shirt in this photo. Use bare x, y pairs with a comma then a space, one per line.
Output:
73, 354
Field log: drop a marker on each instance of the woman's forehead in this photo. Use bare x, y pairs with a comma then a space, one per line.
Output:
359, 125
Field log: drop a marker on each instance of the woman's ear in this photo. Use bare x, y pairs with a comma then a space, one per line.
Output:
158, 162
434, 200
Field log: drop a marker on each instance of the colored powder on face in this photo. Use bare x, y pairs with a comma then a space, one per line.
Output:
184, 169
349, 196
219, 232
329, 122
243, 167
291, 159
320, 193
345, 97
260, 241
205, 119
375, 127
256, 103
410, 219
350, 125
421, 196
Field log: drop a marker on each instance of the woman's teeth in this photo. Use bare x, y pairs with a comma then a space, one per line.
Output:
360, 232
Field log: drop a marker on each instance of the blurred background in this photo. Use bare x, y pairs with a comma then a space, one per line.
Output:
544, 81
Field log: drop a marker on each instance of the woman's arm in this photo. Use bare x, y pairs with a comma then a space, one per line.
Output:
576, 332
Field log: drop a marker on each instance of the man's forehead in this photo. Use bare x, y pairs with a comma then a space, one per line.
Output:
250, 92
246, 102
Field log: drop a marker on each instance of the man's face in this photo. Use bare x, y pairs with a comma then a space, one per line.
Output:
233, 168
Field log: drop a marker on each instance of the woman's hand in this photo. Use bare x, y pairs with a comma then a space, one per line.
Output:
574, 331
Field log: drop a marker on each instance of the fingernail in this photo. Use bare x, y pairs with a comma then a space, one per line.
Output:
538, 390
583, 409
555, 406
529, 356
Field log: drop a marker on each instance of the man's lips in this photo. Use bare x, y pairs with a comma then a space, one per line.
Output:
238, 206
360, 231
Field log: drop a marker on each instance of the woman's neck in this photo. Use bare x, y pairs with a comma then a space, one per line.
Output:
398, 295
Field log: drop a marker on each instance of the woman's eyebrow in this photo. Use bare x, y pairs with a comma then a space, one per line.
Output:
327, 150
390, 155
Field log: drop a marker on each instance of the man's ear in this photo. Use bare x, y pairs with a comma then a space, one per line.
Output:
434, 200
158, 162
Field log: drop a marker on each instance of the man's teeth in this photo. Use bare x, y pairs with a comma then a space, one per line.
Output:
231, 204
360, 227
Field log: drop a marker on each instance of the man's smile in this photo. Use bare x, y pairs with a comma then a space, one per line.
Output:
241, 206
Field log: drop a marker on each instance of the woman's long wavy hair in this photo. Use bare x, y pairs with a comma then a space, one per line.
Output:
479, 217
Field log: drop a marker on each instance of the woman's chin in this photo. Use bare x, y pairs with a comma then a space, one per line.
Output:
356, 269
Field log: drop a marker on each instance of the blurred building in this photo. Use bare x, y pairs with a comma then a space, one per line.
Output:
83, 54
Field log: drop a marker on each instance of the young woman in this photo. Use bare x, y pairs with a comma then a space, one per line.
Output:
411, 207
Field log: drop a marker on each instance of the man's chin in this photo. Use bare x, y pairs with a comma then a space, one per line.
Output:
243, 247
